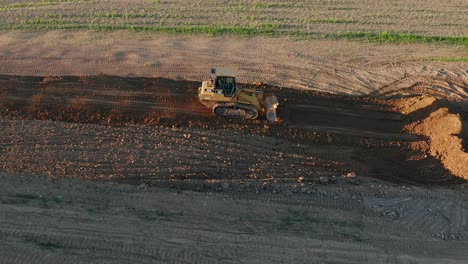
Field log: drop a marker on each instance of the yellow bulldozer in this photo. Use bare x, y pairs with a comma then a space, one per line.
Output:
226, 99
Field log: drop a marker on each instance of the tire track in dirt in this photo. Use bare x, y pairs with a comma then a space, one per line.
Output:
57, 153
417, 215
81, 239
331, 66
116, 222
439, 86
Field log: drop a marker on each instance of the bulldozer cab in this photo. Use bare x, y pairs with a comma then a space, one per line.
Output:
224, 81
226, 84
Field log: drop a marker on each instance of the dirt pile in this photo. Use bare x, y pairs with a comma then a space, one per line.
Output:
438, 121
412, 104
443, 129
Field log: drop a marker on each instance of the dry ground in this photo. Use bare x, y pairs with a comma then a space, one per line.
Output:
87, 222
361, 127
332, 66
336, 181
107, 157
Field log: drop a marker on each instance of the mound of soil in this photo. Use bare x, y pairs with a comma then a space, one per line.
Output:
439, 121
412, 104
443, 129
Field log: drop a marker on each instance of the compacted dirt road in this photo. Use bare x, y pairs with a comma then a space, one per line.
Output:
362, 221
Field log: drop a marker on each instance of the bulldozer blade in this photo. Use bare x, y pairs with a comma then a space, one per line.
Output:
271, 103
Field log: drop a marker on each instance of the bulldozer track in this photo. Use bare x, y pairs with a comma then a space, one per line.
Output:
233, 110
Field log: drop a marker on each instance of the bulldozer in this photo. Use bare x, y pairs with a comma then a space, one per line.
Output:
226, 99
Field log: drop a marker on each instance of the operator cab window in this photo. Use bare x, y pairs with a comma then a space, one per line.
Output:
227, 85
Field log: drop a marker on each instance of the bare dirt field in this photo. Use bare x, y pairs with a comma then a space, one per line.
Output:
358, 124
331, 66
106, 156
338, 180
72, 221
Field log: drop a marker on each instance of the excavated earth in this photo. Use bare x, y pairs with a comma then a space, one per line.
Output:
338, 179
127, 124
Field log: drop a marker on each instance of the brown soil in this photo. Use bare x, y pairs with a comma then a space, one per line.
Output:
442, 122
334, 182
90, 222
409, 105
444, 130
338, 180
339, 67
359, 134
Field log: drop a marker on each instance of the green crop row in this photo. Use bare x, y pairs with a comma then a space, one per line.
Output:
36, 3
384, 37
447, 59
49, 24
243, 30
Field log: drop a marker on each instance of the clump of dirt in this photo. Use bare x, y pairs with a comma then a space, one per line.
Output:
429, 117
